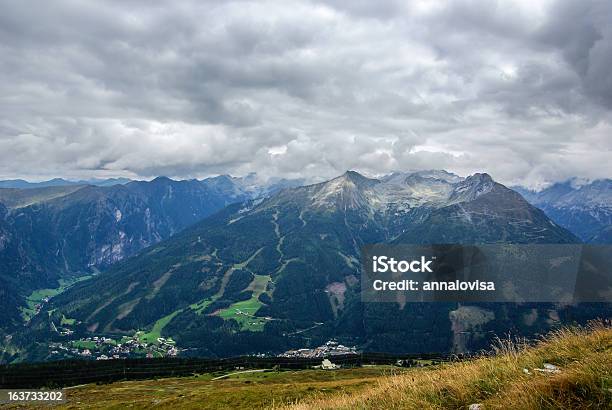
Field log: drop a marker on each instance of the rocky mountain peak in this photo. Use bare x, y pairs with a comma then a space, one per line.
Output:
350, 190
356, 178
162, 180
398, 192
472, 187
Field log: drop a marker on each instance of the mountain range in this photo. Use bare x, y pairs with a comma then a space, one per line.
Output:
583, 208
227, 266
283, 271
56, 182
55, 233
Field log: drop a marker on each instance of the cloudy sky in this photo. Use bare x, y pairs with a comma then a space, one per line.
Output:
519, 89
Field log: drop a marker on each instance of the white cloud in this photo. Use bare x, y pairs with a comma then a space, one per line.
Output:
519, 89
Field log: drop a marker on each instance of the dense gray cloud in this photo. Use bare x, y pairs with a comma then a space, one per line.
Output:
519, 89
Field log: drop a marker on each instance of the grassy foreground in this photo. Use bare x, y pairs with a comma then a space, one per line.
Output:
238, 391
583, 355
584, 381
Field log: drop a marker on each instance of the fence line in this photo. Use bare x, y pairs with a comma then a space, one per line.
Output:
72, 372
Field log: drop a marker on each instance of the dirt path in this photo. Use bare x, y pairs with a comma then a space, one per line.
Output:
241, 372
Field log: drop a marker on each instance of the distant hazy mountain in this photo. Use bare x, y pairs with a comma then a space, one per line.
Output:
57, 182
284, 271
14, 198
584, 209
250, 185
53, 232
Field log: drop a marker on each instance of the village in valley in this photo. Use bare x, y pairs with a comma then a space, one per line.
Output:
105, 348
330, 348
142, 344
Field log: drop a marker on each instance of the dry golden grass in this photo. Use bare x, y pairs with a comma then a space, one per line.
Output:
499, 382
241, 391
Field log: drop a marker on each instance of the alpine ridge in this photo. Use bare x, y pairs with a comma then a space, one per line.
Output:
584, 208
57, 233
283, 271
